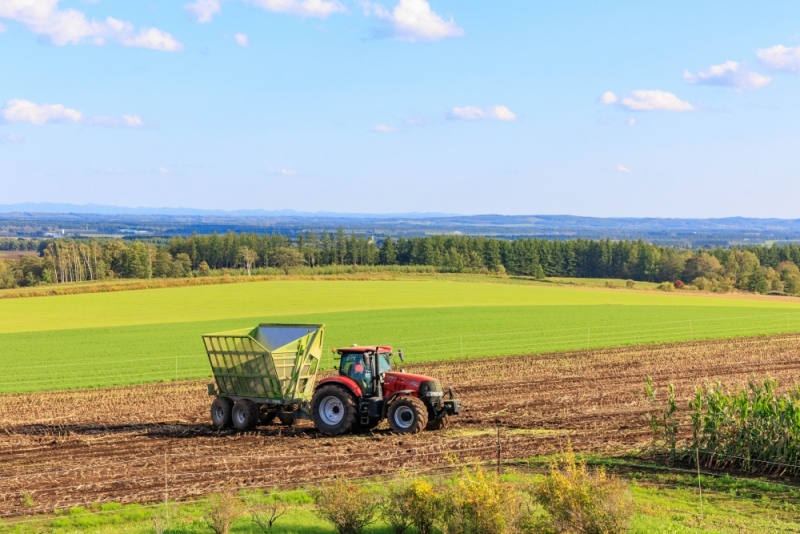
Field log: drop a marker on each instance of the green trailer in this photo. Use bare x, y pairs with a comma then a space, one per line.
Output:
263, 373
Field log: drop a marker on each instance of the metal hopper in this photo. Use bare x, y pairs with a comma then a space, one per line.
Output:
269, 364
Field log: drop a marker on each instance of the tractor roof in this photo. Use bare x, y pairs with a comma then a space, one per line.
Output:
382, 349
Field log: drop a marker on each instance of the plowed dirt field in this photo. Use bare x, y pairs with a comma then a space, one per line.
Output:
127, 444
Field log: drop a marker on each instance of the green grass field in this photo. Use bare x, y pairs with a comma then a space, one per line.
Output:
101, 339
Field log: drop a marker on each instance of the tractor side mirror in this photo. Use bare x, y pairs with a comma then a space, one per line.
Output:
400, 354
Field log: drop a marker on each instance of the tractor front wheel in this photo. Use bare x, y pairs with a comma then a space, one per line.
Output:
244, 414
408, 415
333, 410
221, 412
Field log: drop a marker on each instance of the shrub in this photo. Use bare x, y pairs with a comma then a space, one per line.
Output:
415, 503
679, 284
223, 509
348, 506
264, 513
630, 284
578, 500
477, 502
666, 286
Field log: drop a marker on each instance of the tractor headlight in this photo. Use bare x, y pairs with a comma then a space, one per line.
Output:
431, 389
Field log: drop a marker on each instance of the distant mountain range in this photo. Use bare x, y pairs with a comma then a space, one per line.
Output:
32, 220
102, 209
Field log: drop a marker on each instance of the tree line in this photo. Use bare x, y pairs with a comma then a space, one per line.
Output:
753, 268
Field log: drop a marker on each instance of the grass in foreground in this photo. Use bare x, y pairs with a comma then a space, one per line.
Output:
104, 339
667, 502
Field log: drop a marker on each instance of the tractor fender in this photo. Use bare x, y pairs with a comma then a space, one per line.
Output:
390, 398
343, 381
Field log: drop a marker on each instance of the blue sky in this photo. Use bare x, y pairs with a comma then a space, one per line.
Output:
680, 109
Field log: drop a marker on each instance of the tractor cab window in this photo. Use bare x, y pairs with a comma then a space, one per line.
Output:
357, 367
384, 363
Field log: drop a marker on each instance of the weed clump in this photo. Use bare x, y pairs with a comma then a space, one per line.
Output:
223, 510
478, 502
348, 506
414, 503
580, 500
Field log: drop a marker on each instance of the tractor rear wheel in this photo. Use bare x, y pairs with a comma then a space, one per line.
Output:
333, 410
408, 415
244, 414
437, 424
221, 412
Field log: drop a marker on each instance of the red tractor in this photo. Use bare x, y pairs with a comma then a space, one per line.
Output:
367, 390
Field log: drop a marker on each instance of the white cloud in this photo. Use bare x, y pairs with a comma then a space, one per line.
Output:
385, 128
623, 168
70, 26
730, 74
413, 21
630, 122
125, 121
648, 101
241, 39
203, 10
27, 111
10, 138
608, 98
163, 170
473, 113
282, 172
780, 57
303, 8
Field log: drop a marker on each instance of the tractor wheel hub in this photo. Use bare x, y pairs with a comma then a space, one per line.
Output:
331, 410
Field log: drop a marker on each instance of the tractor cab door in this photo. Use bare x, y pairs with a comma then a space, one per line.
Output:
358, 367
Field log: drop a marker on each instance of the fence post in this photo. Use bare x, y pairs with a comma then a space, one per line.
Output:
699, 485
166, 490
498, 448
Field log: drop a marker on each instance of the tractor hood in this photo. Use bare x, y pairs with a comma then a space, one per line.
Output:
408, 380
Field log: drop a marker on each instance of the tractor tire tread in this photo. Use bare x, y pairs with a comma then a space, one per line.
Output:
250, 419
348, 422
420, 415
221, 410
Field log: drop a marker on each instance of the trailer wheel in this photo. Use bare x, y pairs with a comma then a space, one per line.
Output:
437, 424
221, 412
244, 414
333, 410
408, 415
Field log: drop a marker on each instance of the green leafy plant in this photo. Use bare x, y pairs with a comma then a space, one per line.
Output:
580, 500
348, 506
411, 503
223, 510
477, 502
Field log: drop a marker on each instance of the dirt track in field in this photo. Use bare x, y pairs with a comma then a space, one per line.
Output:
74, 448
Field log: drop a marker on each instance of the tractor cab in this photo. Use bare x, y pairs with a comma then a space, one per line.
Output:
366, 366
